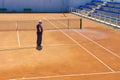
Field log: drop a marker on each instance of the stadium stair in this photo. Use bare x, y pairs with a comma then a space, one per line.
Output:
105, 12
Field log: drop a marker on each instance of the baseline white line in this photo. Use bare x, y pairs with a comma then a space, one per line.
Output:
18, 37
47, 45
59, 44
82, 47
98, 44
67, 75
8, 41
72, 75
7, 46
31, 46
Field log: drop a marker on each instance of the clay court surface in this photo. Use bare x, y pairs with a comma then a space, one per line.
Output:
91, 53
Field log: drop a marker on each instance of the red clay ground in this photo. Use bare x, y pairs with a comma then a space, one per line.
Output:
92, 53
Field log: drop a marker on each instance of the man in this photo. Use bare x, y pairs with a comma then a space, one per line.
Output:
39, 35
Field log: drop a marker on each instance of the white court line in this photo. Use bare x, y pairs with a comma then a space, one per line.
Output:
67, 75
82, 47
59, 44
31, 46
55, 44
18, 37
47, 45
8, 41
71, 75
86, 50
8, 46
98, 44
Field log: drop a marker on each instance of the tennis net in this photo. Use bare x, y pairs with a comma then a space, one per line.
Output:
49, 24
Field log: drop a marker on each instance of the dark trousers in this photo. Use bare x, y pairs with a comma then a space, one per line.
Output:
39, 38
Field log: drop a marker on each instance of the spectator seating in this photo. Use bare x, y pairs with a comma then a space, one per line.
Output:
97, 2
113, 4
109, 12
89, 6
112, 11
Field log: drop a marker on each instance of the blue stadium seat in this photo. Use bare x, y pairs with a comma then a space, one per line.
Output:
109, 12
97, 2
113, 4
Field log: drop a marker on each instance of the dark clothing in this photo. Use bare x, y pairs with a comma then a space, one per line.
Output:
39, 34
39, 28
39, 38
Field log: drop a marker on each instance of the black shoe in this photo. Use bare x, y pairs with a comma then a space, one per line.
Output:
39, 47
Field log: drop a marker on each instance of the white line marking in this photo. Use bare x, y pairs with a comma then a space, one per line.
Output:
12, 79
59, 44
8, 41
18, 37
98, 44
67, 75
87, 50
82, 47
32, 46
7, 46
70, 75
47, 45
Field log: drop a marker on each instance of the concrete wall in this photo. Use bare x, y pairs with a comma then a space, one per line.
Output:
77, 3
41, 5
1, 3
35, 5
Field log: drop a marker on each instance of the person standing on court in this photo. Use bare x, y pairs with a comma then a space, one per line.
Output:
39, 35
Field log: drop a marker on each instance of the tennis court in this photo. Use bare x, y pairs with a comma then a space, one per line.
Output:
69, 53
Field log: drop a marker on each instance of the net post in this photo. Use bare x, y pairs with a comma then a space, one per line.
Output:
80, 23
